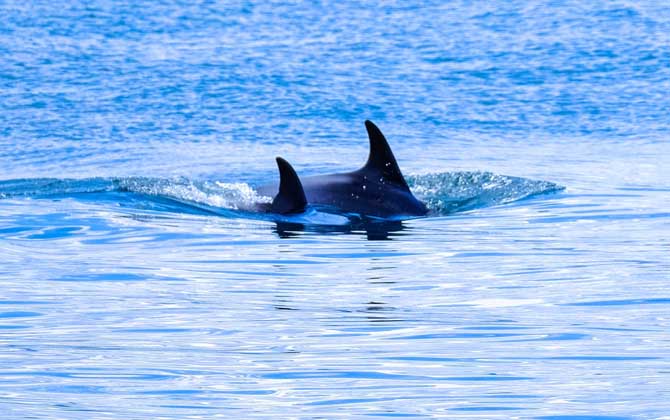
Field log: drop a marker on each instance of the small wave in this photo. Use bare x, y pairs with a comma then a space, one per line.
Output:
214, 194
451, 192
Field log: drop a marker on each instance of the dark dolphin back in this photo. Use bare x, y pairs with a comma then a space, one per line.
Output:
381, 160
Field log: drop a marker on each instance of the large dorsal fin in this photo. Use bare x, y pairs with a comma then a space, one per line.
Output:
291, 196
381, 157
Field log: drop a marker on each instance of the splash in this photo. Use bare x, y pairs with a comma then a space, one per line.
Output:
232, 196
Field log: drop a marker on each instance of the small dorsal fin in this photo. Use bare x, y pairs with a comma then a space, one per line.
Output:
381, 157
291, 196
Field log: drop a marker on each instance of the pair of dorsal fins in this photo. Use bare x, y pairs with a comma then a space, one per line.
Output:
381, 165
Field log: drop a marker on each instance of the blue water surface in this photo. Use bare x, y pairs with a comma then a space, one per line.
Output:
138, 282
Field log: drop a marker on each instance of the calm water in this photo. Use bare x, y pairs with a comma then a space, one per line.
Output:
134, 285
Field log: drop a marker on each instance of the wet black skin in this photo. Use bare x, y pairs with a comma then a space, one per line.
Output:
363, 192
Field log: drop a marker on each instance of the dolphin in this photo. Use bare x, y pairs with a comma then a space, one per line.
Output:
378, 189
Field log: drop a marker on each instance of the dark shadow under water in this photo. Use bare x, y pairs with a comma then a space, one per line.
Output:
374, 230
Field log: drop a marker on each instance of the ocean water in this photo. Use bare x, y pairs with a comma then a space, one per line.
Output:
135, 283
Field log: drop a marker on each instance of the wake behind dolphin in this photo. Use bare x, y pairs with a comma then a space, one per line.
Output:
378, 189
